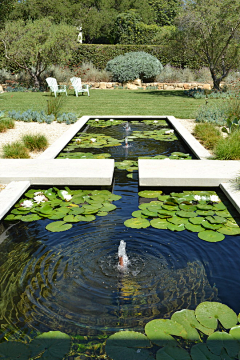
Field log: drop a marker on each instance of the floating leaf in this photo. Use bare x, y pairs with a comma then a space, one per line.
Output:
102, 213
201, 352
187, 207
53, 345
170, 207
196, 220
137, 223
231, 223
205, 212
186, 214
128, 345
14, 350
211, 236
159, 331
12, 217
224, 213
235, 332
173, 227
204, 207
194, 228
216, 219
138, 213
58, 226
229, 231
133, 176
30, 217
149, 213
177, 220
222, 340
209, 313
149, 194
209, 226
172, 353
188, 320
159, 223
219, 206
108, 207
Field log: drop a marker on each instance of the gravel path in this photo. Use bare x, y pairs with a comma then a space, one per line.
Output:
52, 132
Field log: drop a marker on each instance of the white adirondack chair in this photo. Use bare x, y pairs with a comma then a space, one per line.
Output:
78, 87
54, 87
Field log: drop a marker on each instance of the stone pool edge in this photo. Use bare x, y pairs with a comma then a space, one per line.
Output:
14, 190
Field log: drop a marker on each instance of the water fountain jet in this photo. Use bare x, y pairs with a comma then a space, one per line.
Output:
127, 127
122, 256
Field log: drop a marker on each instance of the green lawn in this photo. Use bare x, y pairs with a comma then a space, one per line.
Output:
110, 102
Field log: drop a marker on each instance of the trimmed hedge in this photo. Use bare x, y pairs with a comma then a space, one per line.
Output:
99, 55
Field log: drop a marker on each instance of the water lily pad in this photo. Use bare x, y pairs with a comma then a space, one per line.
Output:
222, 340
209, 313
153, 207
12, 217
53, 345
235, 332
159, 223
128, 345
138, 213
201, 352
170, 207
14, 350
196, 220
178, 227
108, 207
77, 211
149, 194
102, 213
143, 206
186, 207
204, 207
177, 220
224, 213
207, 225
58, 226
205, 212
211, 236
137, 223
172, 353
231, 222
229, 230
219, 206
30, 217
186, 214
194, 228
188, 320
149, 213
163, 197
133, 176
114, 197
159, 331
216, 219
88, 217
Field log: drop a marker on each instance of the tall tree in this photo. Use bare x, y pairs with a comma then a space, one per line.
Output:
165, 11
6, 7
35, 46
211, 30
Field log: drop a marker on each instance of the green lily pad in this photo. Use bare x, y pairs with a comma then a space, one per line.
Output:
14, 350
173, 227
154, 208
196, 220
138, 213
137, 223
204, 212
144, 206
231, 223
159, 331
216, 219
204, 207
149, 213
114, 197
207, 225
58, 226
177, 220
71, 218
201, 352
186, 207
211, 236
219, 206
30, 217
53, 345
209, 313
172, 353
102, 213
128, 345
222, 340
229, 231
76, 210
194, 228
163, 197
133, 176
108, 207
88, 217
235, 332
224, 213
149, 194
12, 217
159, 223
170, 207
186, 214
188, 320
166, 213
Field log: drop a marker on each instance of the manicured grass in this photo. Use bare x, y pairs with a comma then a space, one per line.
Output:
111, 102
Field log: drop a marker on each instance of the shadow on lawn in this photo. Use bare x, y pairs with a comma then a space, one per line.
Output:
164, 93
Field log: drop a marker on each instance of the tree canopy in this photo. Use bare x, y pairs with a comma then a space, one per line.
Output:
36, 45
212, 31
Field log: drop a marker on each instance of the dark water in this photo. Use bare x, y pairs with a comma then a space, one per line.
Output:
69, 281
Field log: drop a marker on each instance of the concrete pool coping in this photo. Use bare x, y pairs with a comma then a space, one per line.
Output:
46, 170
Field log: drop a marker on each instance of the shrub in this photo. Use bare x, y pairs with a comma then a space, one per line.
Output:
212, 114
35, 142
134, 65
15, 150
208, 134
228, 148
6, 123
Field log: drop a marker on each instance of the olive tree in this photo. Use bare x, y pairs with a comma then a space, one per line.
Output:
36, 45
211, 29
